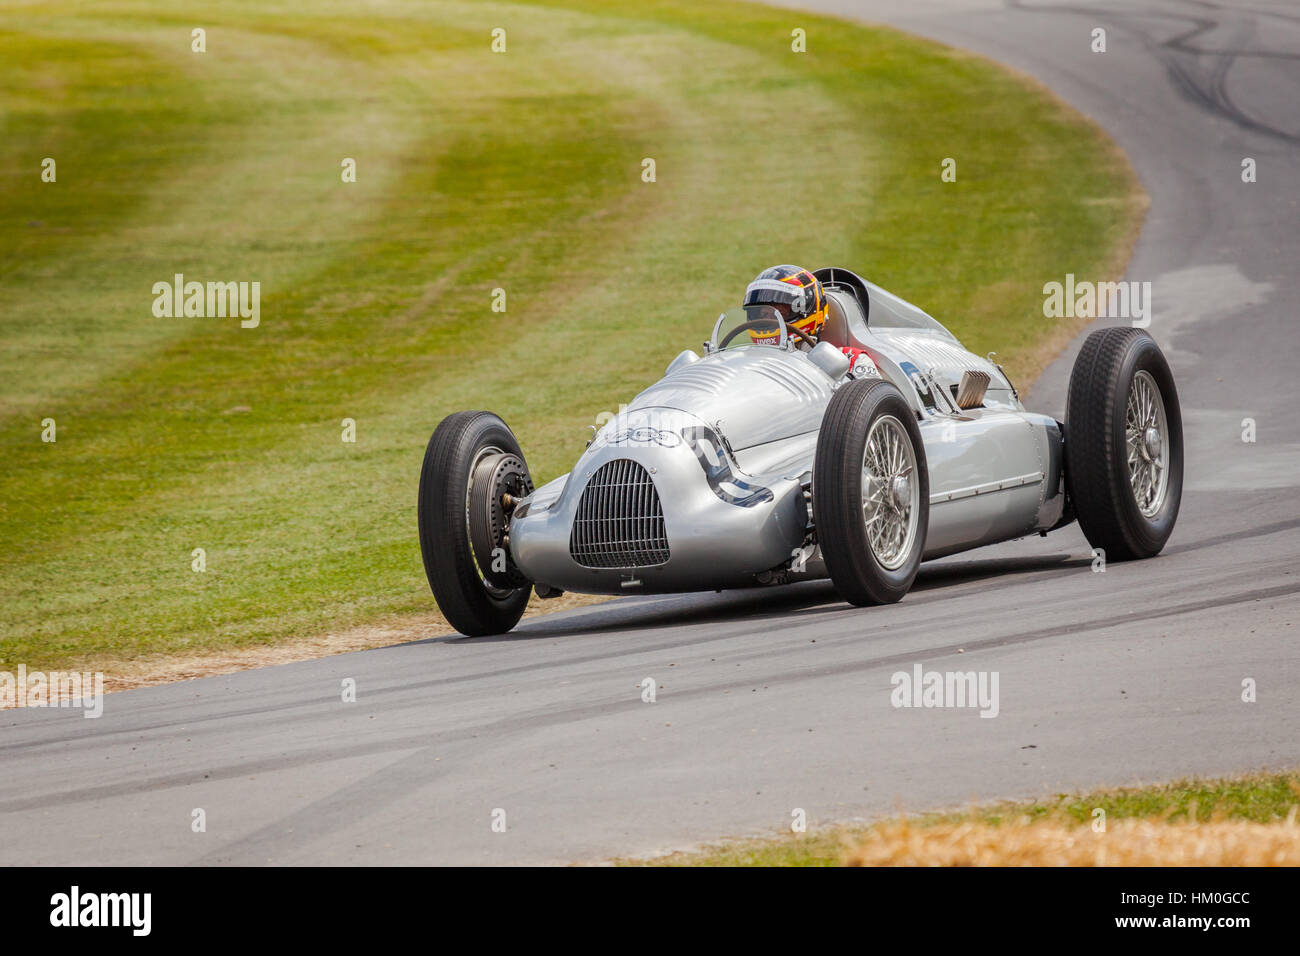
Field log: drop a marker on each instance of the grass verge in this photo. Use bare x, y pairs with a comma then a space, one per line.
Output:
1237, 821
476, 171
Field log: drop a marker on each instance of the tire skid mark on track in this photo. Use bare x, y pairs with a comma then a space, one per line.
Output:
1257, 532
888, 622
1180, 58
554, 716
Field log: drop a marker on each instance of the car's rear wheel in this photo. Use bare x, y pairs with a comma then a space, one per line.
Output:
1124, 444
871, 493
473, 470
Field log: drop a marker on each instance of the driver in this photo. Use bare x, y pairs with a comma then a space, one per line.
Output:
796, 294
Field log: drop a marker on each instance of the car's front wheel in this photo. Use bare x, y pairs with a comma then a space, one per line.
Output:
871, 493
473, 471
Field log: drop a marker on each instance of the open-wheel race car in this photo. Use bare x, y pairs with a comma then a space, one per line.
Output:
855, 455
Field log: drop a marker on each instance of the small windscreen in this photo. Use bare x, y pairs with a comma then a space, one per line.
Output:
748, 325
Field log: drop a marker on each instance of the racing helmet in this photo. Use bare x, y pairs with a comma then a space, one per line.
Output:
793, 291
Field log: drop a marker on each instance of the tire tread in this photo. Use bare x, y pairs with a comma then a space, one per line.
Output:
1096, 474
453, 576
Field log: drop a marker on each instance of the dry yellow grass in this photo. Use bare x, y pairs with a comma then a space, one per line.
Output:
1053, 843
1243, 820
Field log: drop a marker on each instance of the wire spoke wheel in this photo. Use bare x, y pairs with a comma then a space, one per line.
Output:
1145, 433
1123, 444
870, 493
889, 493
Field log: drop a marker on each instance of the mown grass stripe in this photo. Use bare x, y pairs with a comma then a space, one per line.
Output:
476, 171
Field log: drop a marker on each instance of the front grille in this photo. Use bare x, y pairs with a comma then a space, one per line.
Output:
620, 521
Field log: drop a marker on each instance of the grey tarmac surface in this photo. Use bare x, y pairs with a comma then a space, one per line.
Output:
775, 700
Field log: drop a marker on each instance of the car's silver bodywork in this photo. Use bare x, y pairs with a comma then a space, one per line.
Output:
703, 481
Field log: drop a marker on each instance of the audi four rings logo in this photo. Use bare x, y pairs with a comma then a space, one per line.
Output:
647, 436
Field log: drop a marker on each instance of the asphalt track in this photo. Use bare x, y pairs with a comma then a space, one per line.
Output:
776, 700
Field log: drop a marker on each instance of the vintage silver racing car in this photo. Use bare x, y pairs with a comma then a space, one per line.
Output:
882, 444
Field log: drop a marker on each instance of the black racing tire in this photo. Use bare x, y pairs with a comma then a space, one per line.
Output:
858, 574
469, 603
1097, 446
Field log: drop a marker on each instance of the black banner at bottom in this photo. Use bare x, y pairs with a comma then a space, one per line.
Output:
318, 904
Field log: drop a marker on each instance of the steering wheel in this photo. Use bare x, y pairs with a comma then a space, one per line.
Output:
766, 323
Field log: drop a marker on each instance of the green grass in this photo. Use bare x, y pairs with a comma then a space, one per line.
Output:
1258, 798
475, 171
